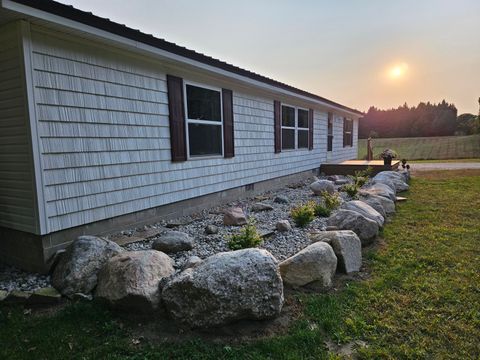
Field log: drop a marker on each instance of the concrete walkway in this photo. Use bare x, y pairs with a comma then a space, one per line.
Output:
445, 166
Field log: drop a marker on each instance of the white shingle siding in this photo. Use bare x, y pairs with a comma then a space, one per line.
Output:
105, 142
17, 204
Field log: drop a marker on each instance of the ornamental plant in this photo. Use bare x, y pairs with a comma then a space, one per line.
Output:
351, 190
322, 211
247, 237
331, 201
304, 214
388, 154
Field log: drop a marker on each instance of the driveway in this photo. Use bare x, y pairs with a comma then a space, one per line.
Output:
445, 166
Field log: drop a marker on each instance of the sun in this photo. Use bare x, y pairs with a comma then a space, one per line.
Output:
398, 71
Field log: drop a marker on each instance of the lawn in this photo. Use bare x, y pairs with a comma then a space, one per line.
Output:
444, 147
421, 299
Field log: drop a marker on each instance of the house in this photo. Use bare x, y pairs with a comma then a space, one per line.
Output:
104, 127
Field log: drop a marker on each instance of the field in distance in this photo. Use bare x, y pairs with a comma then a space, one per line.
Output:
426, 148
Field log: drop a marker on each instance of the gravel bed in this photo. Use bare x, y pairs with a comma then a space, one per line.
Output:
281, 245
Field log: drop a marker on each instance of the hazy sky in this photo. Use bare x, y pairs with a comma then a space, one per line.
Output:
357, 52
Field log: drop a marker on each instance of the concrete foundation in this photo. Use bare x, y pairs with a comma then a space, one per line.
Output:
34, 252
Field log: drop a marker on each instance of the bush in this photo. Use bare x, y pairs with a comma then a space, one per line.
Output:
322, 211
351, 190
361, 177
303, 214
331, 201
247, 237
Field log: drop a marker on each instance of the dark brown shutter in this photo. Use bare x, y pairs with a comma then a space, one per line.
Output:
228, 142
277, 126
344, 132
310, 129
177, 118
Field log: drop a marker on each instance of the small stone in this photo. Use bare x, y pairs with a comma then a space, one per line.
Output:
3, 295
192, 262
234, 217
320, 186
266, 233
283, 225
173, 241
211, 229
257, 207
401, 199
280, 199
45, 296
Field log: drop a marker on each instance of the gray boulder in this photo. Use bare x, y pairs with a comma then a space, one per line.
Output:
131, 280
173, 241
226, 287
393, 177
365, 228
316, 265
234, 217
376, 204
283, 225
257, 207
191, 262
346, 246
78, 267
319, 186
364, 209
387, 205
211, 229
280, 199
379, 189
405, 175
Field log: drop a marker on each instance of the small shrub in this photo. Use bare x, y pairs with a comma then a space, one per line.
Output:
303, 214
361, 177
351, 190
247, 237
322, 211
331, 201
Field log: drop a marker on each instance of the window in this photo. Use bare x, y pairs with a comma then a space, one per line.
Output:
347, 132
295, 128
330, 132
204, 121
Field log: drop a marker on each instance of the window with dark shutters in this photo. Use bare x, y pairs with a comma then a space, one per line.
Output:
227, 101
177, 118
347, 132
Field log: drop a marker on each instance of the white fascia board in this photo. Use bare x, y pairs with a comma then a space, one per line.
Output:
26, 10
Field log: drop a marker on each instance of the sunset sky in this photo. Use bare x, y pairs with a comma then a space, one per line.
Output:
359, 53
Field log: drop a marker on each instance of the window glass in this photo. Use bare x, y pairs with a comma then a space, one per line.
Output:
302, 139
203, 104
302, 118
288, 138
204, 139
288, 116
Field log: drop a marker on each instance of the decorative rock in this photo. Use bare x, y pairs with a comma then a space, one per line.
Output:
3, 295
347, 247
314, 264
387, 204
341, 182
131, 280
376, 204
405, 174
364, 209
379, 190
280, 199
394, 177
226, 287
191, 262
322, 185
173, 241
234, 217
257, 207
17, 297
385, 181
211, 229
45, 296
176, 223
283, 225
77, 269
331, 228
365, 228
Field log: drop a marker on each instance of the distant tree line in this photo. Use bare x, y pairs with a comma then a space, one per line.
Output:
425, 119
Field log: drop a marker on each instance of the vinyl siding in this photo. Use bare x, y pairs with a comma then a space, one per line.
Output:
104, 137
17, 204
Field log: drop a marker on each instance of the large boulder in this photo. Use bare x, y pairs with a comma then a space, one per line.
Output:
405, 175
392, 177
78, 267
234, 217
229, 286
379, 189
365, 228
131, 280
346, 246
376, 204
260, 206
387, 204
364, 209
173, 241
320, 186
316, 265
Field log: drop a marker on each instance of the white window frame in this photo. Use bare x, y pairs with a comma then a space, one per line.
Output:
203, 122
296, 127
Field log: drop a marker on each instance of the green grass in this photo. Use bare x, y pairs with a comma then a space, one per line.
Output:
421, 300
425, 148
